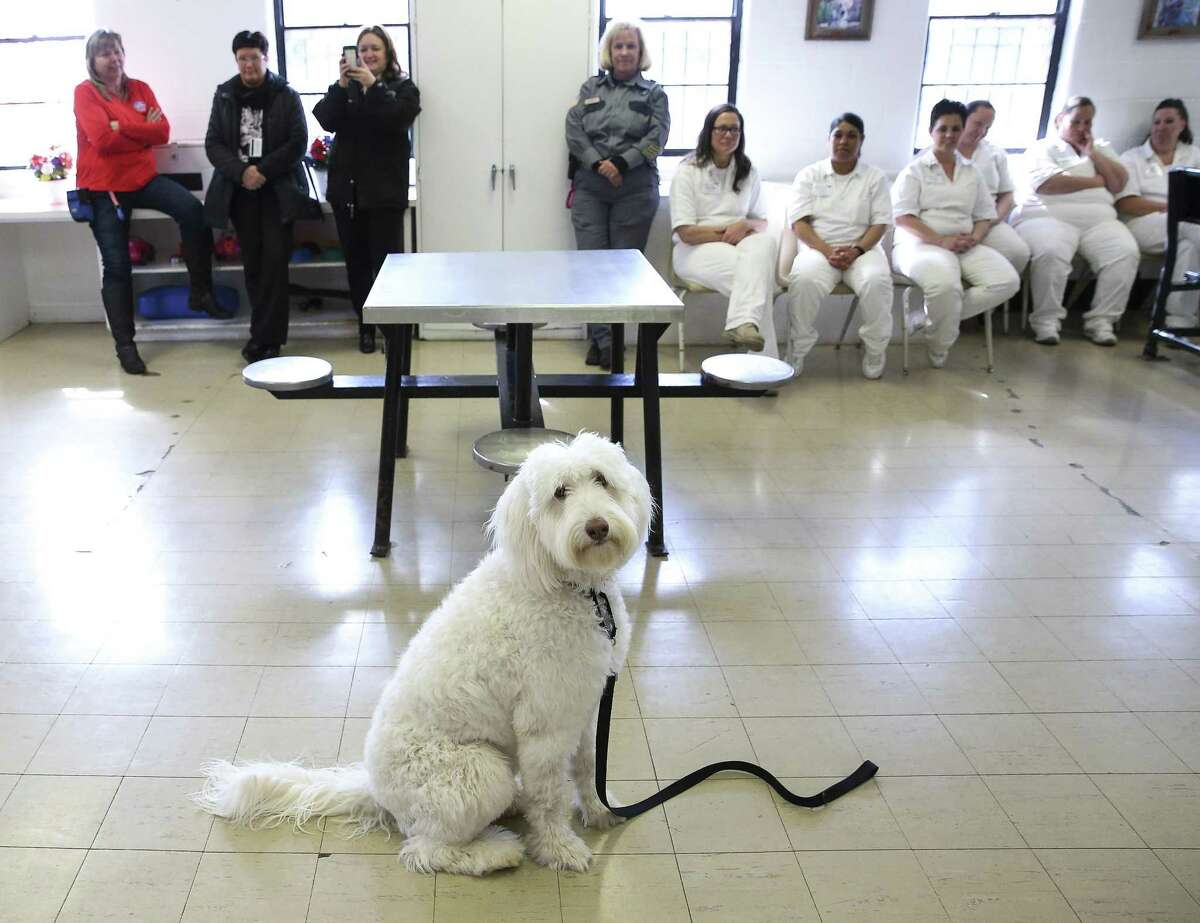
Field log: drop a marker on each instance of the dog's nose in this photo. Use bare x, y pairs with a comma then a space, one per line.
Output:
596, 529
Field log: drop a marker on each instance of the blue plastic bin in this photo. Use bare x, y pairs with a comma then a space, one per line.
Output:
170, 302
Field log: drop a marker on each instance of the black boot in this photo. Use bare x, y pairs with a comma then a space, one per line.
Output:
366, 338
197, 256
131, 362
117, 298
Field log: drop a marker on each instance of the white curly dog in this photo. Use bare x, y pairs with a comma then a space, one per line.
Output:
493, 705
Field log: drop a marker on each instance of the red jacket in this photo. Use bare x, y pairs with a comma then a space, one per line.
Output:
121, 160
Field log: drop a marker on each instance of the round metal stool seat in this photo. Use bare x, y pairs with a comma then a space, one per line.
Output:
505, 450
288, 373
745, 371
495, 325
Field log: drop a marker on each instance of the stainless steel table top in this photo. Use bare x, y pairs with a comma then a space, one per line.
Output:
602, 286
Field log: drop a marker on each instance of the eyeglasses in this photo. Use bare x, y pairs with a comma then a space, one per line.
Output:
727, 129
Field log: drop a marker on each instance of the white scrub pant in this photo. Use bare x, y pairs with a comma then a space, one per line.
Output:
957, 286
812, 279
745, 273
1110, 250
1150, 232
1007, 242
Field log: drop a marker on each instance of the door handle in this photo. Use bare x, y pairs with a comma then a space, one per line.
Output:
512, 175
495, 170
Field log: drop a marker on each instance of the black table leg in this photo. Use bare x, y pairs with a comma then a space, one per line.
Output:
617, 424
521, 338
387, 443
647, 374
406, 337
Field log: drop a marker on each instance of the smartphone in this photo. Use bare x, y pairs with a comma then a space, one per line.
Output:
350, 53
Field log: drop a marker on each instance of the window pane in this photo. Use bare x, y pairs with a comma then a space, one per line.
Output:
962, 50
40, 71
986, 7
312, 55
645, 9
1018, 110
689, 52
30, 129
352, 13
689, 105
63, 17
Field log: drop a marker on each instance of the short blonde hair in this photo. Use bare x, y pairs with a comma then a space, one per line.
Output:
614, 28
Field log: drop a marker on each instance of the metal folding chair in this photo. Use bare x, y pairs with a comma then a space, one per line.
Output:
1183, 205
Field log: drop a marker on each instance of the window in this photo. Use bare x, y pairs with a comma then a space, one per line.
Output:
308, 44
1005, 51
41, 61
694, 47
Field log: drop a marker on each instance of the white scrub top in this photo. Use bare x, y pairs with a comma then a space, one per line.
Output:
840, 208
992, 164
703, 195
1053, 157
948, 206
1148, 174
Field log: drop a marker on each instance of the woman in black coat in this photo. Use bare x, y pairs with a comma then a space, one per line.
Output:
371, 109
256, 140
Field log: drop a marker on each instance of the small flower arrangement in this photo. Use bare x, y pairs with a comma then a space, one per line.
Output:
318, 151
54, 164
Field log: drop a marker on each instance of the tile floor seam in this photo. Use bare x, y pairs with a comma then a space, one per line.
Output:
1171, 872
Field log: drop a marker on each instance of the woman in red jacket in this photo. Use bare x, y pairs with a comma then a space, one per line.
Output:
117, 122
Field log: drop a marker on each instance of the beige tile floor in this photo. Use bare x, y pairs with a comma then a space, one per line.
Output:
988, 584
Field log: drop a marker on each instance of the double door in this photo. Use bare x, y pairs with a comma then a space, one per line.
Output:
497, 78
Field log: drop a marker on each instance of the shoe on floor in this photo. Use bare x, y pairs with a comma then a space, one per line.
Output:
593, 355
873, 363
130, 361
1045, 336
745, 336
205, 303
256, 352
1100, 333
366, 339
937, 359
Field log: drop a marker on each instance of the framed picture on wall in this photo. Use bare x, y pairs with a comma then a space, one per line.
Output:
1170, 19
844, 19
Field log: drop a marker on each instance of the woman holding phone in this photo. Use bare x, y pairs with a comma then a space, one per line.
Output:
371, 109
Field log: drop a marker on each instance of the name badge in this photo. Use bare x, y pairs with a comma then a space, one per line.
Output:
139, 106
256, 147
590, 100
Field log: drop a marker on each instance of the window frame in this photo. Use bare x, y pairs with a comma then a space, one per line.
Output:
30, 40
1059, 16
735, 45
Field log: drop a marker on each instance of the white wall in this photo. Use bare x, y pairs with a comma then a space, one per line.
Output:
789, 89
1103, 59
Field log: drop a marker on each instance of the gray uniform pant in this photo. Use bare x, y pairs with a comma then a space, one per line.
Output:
608, 217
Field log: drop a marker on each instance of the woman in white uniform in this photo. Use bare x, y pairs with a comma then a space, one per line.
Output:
718, 225
1143, 201
992, 163
1073, 179
839, 212
943, 209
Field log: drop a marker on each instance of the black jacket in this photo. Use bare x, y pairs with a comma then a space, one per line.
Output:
368, 166
285, 140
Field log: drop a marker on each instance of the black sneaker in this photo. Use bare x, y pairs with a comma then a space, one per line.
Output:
130, 361
256, 352
366, 339
205, 303
593, 355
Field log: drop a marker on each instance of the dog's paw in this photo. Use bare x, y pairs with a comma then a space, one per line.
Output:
595, 816
559, 848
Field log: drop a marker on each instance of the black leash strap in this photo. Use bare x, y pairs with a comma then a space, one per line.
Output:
835, 791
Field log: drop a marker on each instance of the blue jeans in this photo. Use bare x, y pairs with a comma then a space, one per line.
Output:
112, 238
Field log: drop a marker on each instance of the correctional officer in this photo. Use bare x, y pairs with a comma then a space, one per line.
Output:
615, 133
1073, 179
992, 163
839, 212
1143, 202
943, 210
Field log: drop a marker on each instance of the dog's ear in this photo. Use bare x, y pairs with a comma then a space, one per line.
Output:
512, 531
640, 490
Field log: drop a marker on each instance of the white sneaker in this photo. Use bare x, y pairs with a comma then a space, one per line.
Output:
1045, 336
796, 364
745, 336
937, 359
1100, 333
873, 363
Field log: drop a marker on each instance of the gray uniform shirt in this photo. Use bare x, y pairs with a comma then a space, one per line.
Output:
614, 118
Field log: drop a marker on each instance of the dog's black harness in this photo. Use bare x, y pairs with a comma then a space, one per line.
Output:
604, 621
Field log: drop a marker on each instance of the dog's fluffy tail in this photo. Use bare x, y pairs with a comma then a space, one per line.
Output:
269, 794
